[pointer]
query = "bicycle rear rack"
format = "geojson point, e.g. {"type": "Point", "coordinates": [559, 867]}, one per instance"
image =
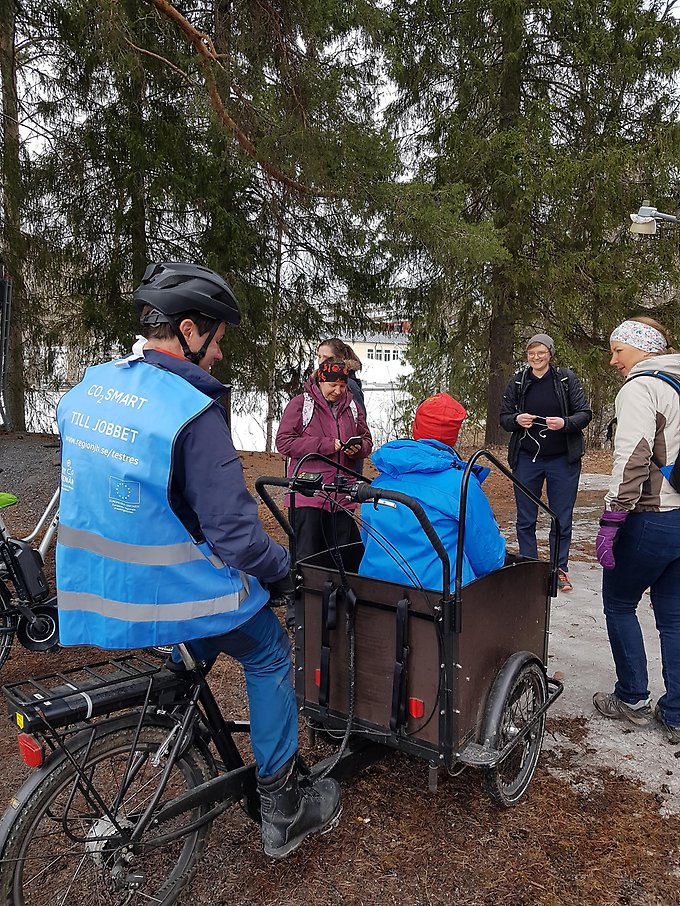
{"type": "Point", "coordinates": [63, 699]}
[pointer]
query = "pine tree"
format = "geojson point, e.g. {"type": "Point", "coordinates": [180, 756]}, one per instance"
{"type": "Point", "coordinates": [139, 165]}
{"type": "Point", "coordinates": [547, 122]}
{"type": "Point", "coordinates": [12, 199]}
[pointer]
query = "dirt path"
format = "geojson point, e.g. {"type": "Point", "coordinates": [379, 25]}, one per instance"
{"type": "Point", "coordinates": [591, 830]}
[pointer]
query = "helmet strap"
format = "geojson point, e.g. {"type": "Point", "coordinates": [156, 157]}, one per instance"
{"type": "Point", "coordinates": [194, 357]}
{"type": "Point", "coordinates": [204, 348]}
{"type": "Point", "coordinates": [155, 317]}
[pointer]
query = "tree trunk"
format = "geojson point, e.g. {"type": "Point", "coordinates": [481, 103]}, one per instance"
{"type": "Point", "coordinates": [12, 199]}
{"type": "Point", "coordinates": [509, 215]}
{"type": "Point", "coordinates": [273, 343]}
{"type": "Point", "coordinates": [501, 364]}
{"type": "Point", "coordinates": [140, 253]}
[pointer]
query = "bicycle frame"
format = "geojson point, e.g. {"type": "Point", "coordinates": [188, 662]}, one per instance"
{"type": "Point", "coordinates": [27, 609]}
{"type": "Point", "coordinates": [10, 561]}
{"type": "Point", "coordinates": [65, 716]}
{"type": "Point", "coordinates": [51, 513]}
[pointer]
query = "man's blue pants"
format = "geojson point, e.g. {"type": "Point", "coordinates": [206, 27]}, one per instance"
{"type": "Point", "coordinates": [263, 648]}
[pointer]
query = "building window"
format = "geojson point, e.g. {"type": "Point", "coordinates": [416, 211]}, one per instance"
{"type": "Point", "coordinates": [378, 355]}
{"type": "Point", "coordinates": [387, 355]}
{"type": "Point", "coordinates": [395, 355]}
{"type": "Point", "coordinates": [369, 353]}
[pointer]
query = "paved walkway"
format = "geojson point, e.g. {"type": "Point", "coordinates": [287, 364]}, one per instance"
{"type": "Point", "coordinates": [579, 649]}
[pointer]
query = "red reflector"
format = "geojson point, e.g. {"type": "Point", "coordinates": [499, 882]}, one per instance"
{"type": "Point", "coordinates": [30, 750]}
{"type": "Point", "coordinates": [317, 677]}
{"type": "Point", "coordinates": [416, 707]}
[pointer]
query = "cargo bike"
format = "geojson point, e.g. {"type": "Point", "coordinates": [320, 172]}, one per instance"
{"type": "Point", "coordinates": [135, 761]}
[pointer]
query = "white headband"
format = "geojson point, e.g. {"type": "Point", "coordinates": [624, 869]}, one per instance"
{"type": "Point", "coordinates": [641, 336]}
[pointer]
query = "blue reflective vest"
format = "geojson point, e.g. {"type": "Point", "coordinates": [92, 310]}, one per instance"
{"type": "Point", "coordinates": [129, 574]}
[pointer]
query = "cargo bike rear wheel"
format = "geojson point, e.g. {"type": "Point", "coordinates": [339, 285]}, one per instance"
{"type": "Point", "coordinates": [72, 839]}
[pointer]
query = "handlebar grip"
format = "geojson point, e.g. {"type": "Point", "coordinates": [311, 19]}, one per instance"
{"type": "Point", "coordinates": [364, 491]}
{"type": "Point", "coordinates": [270, 481]}
{"type": "Point", "coordinates": [261, 485]}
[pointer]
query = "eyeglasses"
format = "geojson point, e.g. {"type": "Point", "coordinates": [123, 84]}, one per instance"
{"type": "Point", "coordinates": [537, 355]}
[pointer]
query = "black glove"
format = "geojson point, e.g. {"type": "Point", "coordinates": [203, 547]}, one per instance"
{"type": "Point", "coordinates": [281, 591]}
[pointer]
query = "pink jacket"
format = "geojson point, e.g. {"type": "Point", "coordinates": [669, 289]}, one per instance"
{"type": "Point", "coordinates": [308, 425]}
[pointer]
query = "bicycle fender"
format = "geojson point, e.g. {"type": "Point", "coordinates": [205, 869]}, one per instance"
{"type": "Point", "coordinates": [502, 684]}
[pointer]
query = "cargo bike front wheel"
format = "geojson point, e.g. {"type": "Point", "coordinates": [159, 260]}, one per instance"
{"type": "Point", "coordinates": [73, 840]}
{"type": "Point", "coordinates": [515, 718]}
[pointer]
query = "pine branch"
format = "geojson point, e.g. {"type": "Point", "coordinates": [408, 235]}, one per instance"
{"type": "Point", "coordinates": [149, 53]}
{"type": "Point", "coordinates": [205, 50]}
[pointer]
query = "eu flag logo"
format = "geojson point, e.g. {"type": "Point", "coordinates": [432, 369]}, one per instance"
{"type": "Point", "coordinates": [123, 492]}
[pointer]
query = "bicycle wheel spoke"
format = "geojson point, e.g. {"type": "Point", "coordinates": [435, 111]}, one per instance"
{"type": "Point", "coordinates": [74, 840]}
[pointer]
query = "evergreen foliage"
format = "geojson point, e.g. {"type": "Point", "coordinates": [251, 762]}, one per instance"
{"type": "Point", "coordinates": [138, 166]}
{"type": "Point", "coordinates": [550, 123]}
{"type": "Point", "coordinates": [469, 169]}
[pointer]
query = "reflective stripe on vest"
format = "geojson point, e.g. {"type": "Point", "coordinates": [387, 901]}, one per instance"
{"type": "Point", "coordinates": [152, 555]}
{"type": "Point", "coordinates": [149, 613]}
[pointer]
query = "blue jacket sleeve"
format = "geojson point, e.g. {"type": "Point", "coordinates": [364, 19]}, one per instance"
{"type": "Point", "coordinates": [209, 495]}
{"type": "Point", "coordinates": [484, 545]}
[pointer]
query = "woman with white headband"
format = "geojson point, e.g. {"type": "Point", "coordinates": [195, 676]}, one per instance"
{"type": "Point", "coordinates": [638, 544]}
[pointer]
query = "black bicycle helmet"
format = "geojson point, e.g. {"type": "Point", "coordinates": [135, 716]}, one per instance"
{"type": "Point", "coordinates": [174, 288]}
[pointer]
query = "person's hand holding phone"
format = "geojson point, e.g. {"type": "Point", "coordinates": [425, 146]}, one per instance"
{"type": "Point", "coordinates": [551, 422]}
{"type": "Point", "coordinates": [351, 447]}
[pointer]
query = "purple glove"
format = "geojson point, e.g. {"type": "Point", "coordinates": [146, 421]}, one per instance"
{"type": "Point", "coordinates": [610, 523]}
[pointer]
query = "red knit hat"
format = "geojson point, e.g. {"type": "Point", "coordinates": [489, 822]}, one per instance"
{"type": "Point", "coordinates": [439, 418]}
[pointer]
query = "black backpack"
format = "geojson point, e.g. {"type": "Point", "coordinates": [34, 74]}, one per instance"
{"type": "Point", "coordinates": [670, 472]}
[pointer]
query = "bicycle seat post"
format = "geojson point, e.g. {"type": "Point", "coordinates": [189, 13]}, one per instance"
{"type": "Point", "coordinates": [187, 657]}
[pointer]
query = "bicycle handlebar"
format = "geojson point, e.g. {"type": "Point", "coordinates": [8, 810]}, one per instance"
{"type": "Point", "coordinates": [311, 483]}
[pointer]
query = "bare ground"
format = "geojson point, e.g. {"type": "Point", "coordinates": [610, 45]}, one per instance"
{"type": "Point", "coordinates": [598, 839]}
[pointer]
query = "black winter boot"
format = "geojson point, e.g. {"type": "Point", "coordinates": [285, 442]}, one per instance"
{"type": "Point", "coordinates": [291, 810]}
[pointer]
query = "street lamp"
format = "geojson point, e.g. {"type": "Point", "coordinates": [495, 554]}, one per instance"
{"type": "Point", "coordinates": [644, 222]}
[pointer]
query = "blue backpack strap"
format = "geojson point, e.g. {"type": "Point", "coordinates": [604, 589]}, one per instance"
{"type": "Point", "coordinates": [666, 471]}
{"type": "Point", "coordinates": [662, 375]}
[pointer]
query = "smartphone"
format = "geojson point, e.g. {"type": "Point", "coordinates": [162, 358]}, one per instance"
{"type": "Point", "coordinates": [352, 442]}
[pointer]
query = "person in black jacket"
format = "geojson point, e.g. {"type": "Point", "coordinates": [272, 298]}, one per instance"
{"type": "Point", "coordinates": [546, 410]}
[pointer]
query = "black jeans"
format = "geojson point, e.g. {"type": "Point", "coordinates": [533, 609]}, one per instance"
{"type": "Point", "coordinates": [561, 480]}
{"type": "Point", "coordinates": [319, 530]}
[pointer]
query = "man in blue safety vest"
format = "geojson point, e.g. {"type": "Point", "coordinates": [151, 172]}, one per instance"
{"type": "Point", "coordinates": [159, 538]}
